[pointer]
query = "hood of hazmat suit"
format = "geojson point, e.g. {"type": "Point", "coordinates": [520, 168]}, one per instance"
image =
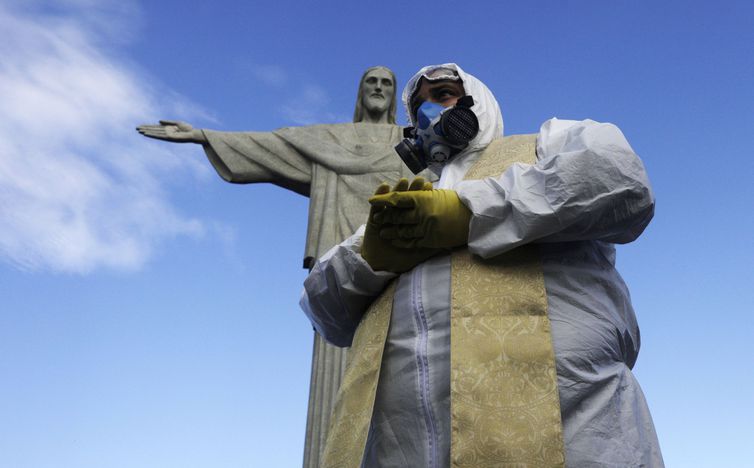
{"type": "Point", "coordinates": [485, 105]}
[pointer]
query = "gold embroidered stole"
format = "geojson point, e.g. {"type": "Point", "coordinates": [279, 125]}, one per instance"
{"type": "Point", "coordinates": [504, 404]}
{"type": "Point", "coordinates": [352, 414]}
{"type": "Point", "coordinates": [505, 410]}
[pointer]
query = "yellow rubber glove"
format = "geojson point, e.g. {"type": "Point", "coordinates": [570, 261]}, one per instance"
{"type": "Point", "coordinates": [434, 219]}
{"type": "Point", "coordinates": [379, 252]}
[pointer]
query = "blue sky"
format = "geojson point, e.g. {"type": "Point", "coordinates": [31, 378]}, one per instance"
{"type": "Point", "coordinates": [148, 310]}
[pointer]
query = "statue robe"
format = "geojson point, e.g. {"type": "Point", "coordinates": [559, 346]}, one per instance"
{"type": "Point", "coordinates": [337, 166]}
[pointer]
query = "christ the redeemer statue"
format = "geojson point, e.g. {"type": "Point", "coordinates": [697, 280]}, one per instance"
{"type": "Point", "coordinates": [337, 166]}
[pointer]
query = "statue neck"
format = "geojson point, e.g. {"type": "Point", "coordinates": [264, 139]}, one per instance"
{"type": "Point", "coordinates": [375, 117]}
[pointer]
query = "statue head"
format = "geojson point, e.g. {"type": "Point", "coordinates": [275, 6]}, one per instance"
{"type": "Point", "coordinates": [376, 100]}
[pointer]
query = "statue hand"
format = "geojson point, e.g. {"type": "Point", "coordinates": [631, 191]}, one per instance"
{"type": "Point", "coordinates": [379, 252]}
{"type": "Point", "coordinates": [173, 131]}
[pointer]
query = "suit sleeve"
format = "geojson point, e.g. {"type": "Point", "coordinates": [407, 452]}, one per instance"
{"type": "Point", "coordinates": [588, 184]}
{"type": "Point", "coordinates": [339, 289]}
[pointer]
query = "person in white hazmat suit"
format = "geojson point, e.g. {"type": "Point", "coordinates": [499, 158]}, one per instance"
{"type": "Point", "coordinates": [583, 191]}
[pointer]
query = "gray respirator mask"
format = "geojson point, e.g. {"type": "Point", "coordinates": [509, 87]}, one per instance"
{"type": "Point", "coordinates": [440, 134]}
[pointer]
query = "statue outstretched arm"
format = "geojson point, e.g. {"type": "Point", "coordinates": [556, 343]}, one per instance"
{"type": "Point", "coordinates": [174, 131]}
{"type": "Point", "coordinates": [242, 157]}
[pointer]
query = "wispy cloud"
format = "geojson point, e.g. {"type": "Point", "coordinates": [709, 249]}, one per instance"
{"type": "Point", "coordinates": [309, 106]}
{"type": "Point", "coordinates": [300, 101]}
{"type": "Point", "coordinates": [271, 75]}
{"type": "Point", "coordinates": [79, 188]}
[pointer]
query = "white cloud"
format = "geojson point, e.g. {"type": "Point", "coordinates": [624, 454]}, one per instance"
{"type": "Point", "coordinates": [79, 188]}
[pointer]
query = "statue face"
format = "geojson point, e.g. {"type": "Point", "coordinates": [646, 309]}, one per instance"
{"type": "Point", "coordinates": [378, 91]}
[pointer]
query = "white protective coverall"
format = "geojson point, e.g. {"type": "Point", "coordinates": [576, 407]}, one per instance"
{"type": "Point", "coordinates": [587, 191]}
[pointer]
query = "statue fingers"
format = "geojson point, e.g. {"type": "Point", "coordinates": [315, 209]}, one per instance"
{"type": "Point", "coordinates": [149, 128]}
{"type": "Point", "coordinates": [152, 131]}
{"type": "Point", "coordinates": [180, 125]}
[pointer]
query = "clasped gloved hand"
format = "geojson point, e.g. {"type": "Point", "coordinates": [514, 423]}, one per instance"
{"type": "Point", "coordinates": [434, 219]}
{"type": "Point", "coordinates": [379, 252]}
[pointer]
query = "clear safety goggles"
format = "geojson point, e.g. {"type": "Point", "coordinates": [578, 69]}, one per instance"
{"type": "Point", "coordinates": [438, 73]}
